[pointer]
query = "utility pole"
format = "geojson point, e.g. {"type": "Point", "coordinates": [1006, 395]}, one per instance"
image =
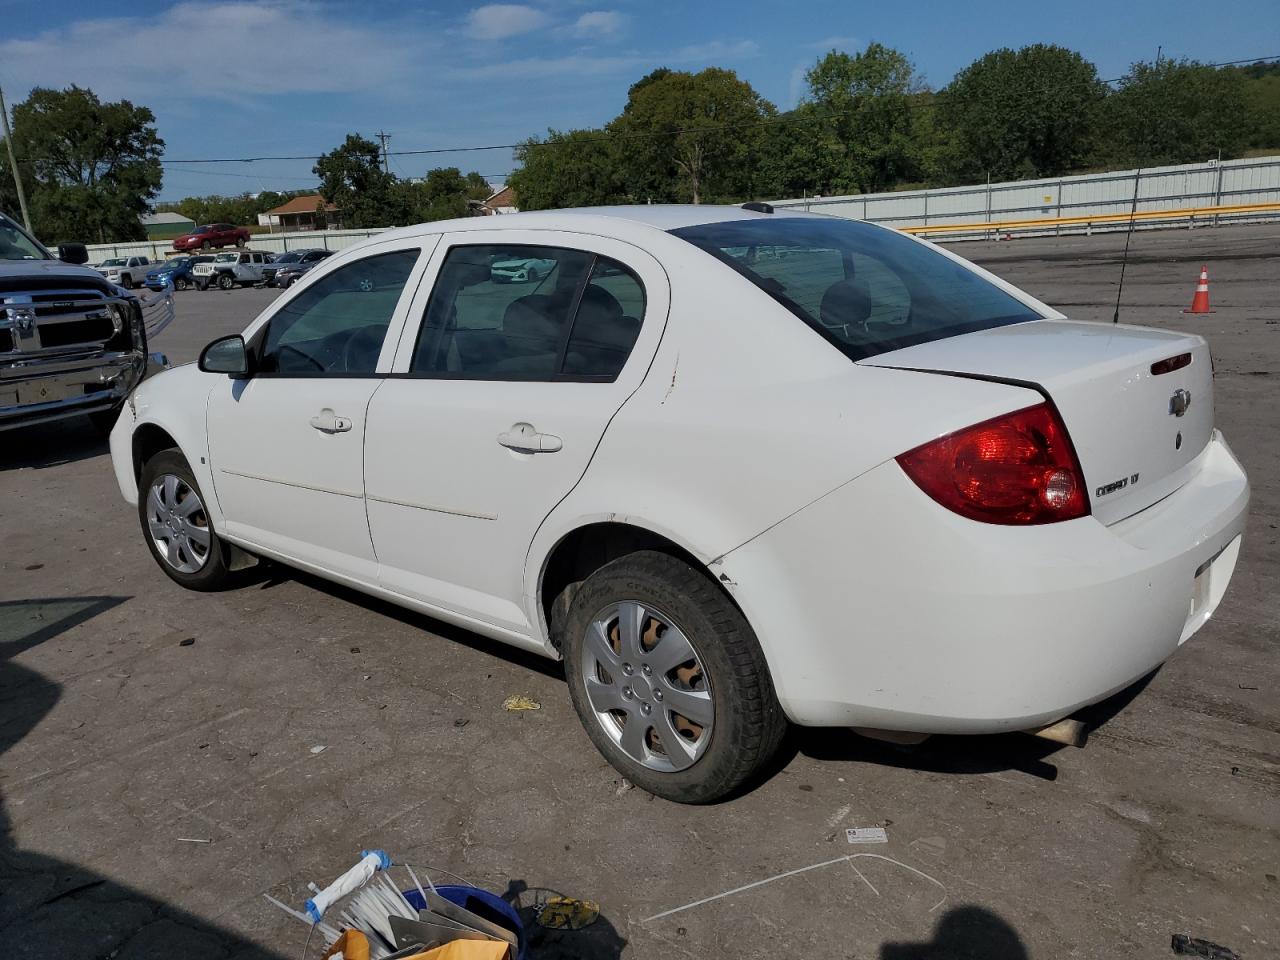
{"type": "Point", "coordinates": [386, 161]}
{"type": "Point", "coordinates": [13, 164]}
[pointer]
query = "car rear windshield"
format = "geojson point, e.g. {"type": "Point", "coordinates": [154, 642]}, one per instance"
{"type": "Point", "coordinates": [866, 289]}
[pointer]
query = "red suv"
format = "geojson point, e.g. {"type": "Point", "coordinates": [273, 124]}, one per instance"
{"type": "Point", "coordinates": [212, 235]}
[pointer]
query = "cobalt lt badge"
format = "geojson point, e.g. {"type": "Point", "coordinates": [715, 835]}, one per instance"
{"type": "Point", "coordinates": [1180, 402]}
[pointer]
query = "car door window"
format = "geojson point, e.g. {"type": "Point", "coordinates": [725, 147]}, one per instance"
{"type": "Point", "coordinates": [337, 325]}
{"type": "Point", "coordinates": [501, 312]}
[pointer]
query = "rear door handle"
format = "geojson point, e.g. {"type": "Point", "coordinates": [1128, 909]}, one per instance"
{"type": "Point", "coordinates": [525, 438]}
{"type": "Point", "coordinates": [326, 421]}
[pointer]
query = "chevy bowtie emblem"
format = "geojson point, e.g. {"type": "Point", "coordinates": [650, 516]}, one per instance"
{"type": "Point", "coordinates": [1180, 402]}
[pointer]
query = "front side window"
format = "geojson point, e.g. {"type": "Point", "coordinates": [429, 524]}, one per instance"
{"type": "Point", "coordinates": [866, 289]}
{"type": "Point", "coordinates": [501, 312]}
{"type": "Point", "coordinates": [337, 325]}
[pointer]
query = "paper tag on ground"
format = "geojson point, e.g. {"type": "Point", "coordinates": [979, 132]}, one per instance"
{"type": "Point", "coordinates": [867, 835]}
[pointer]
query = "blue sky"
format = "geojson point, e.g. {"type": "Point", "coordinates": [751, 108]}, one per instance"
{"type": "Point", "coordinates": [293, 77]}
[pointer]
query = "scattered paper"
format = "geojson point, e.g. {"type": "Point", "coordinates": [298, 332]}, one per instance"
{"type": "Point", "coordinates": [867, 835]}
{"type": "Point", "coordinates": [319, 749]}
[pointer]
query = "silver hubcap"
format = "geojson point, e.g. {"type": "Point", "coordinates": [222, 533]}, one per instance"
{"type": "Point", "coordinates": [178, 524]}
{"type": "Point", "coordinates": [647, 686]}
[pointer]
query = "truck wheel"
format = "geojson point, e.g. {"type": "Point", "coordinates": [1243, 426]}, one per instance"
{"type": "Point", "coordinates": [226, 281]}
{"type": "Point", "coordinates": [669, 680]}
{"type": "Point", "coordinates": [176, 525]}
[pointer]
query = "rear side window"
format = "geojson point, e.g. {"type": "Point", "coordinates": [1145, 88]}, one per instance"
{"type": "Point", "coordinates": [866, 289]}
{"type": "Point", "coordinates": [521, 312]}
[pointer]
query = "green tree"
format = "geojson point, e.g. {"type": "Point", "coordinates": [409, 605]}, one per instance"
{"type": "Point", "coordinates": [574, 168]}
{"type": "Point", "coordinates": [691, 136]}
{"type": "Point", "coordinates": [1175, 111]}
{"type": "Point", "coordinates": [864, 141]}
{"type": "Point", "coordinates": [90, 168]}
{"type": "Point", "coordinates": [352, 179]}
{"type": "Point", "coordinates": [1020, 113]}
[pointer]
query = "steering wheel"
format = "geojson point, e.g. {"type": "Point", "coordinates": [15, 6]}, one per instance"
{"type": "Point", "coordinates": [284, 347]}
{"type": "Point", "coordinates": [355, 354]}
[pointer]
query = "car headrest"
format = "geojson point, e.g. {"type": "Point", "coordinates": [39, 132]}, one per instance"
{"type": "Point", "coordinates": [529, 319]}
{"type": "Point", "coordinates": [845, 302]}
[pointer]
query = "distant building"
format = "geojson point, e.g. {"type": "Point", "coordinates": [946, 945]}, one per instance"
{"type": "Point", "coordinates": [165, 226]}
{"type": "Point", "coordinates": [504, 201]}
{"type": "Point", "coordinates": [302, 213]}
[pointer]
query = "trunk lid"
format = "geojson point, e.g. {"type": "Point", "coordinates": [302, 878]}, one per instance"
{"type": "Point", "coordinates": [1134, 445]}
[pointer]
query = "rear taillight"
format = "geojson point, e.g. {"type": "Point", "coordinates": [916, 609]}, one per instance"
{"type": "Point", "coordinates": [1019, 468]}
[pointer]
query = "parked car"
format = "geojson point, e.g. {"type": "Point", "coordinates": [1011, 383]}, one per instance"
{"type": "Point", "coordinates": [212, 235]}
{"type": "Point", "coordinates": [288, 267]}
{"type": "Point", "coordinates": [862, 484]}
{"type": "Point", "coordinates": [520, 269]}
{"type": "Point", "coordinates": [175, 272]}
{"type": "Point", "coordinates": [71, 342]}
{"type": "Point", "coordinates": [126, 271]}
{"type": "Point", "coordinates": [229, 270]}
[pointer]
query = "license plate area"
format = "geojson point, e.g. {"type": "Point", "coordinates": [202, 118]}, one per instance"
{"type": "Point", "coordinates": [1208, 587]}
{"type": "Point", "coordinates": [47, 391]}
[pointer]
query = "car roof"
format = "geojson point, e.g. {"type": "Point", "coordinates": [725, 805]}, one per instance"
{"type": "Point", "coordinates": [619, 220]}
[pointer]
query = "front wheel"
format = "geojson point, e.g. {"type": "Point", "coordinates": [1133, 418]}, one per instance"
{"type": "Point", "coordinates": [669, 680]}
{"type": "Point", "coordinates": [180, 283]}
{"type": "Point", "coordinates": [239, 241]}
{"type": "Point", "coordinates": [226, 281]}
{"type": "Point", "coordinates": [205, 245]}
{"type": "Point", "coordinates": [176, 524]}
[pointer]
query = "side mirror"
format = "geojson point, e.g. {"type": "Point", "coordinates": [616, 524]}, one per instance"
{"type": "Point", "coordinates": [226, 355]}
{"type": "Point", "coordinates": [76, 253]}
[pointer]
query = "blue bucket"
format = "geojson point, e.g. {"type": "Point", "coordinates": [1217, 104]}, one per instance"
{"type": "Point", "coordinates": [483, 904]}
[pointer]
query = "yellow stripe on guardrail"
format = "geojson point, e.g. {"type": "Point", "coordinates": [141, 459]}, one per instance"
{"type": "Point", "coordinates": [1100, 218]}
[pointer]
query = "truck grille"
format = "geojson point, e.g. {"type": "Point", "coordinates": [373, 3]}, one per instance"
{"type": "Point", "coordinates": [44, 321]}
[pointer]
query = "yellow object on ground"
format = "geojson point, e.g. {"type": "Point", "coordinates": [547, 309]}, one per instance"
{"type": "Point", "coordinates": [566, 913]}
{"type": "Point", "coordinates": [465, 950]}
{"type": "Point", "coordinates": [517, 703]}
{"type": "Point", "coordinates": [353, 945]}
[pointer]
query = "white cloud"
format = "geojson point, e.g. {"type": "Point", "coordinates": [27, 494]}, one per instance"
{"type": "Point", "coordinates": [596, 24]}
{"type": "Point", "coordinates": [268, 51]}
{"type": "Point", "coordinates": [496, 21]}
{"type": "Point", "coordinates": [582, 65]}
{"type": "Point", "coordinates": [827, 44]}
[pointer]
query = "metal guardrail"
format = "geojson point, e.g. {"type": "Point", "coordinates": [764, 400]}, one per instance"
{"type": "Point", "coordinates": [1141, 216]}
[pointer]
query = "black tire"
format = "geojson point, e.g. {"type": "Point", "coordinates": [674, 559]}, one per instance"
{"type": "Point", "coordinates": [226, 281]}
{"type": "Point", "coordinates": [181, 283]}
{"type": "Point", "coordinates": [749, 724]}
{"type": "Point", "coordinates": [205, 245]}
{"type": "Point", "coordinates": [239, 241]}
{"type": "Point", "coordinates": [126, 281]}
{"type": "Point", "coordinates": [214, 574]}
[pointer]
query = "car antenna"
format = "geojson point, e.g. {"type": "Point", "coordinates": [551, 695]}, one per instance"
{"type": "Point", "coordinates": [1124, 260]}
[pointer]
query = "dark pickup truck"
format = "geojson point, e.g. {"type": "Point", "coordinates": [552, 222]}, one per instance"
{"type": "Point", "coordinates": [71, 341]}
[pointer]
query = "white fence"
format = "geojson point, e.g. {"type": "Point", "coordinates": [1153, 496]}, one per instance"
{"type": "Point", "coordinates": [1180, 188]}
{"type": "Point", "coordinates": [275, 242]}
{"type": "Point", "coordinates": [1188, 187]}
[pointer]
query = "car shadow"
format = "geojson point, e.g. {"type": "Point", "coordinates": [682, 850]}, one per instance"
{"type": "Point", "coordinates": [52, 444]}
{"type": "Point", "coordinates": [267, 575]}
{"type": "Point", "coordinates": [994, 753]}
{"type": "Point", "coordinates": [599, 940]}
{"type": "Point", "coordinates": [48, 906]}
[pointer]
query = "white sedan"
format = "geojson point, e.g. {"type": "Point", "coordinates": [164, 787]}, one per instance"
{"type": "Point", "coordinates": [734, 467]}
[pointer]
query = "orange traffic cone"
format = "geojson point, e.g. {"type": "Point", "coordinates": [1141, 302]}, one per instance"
{"type": "Point", "coordinates": [1200, 302]}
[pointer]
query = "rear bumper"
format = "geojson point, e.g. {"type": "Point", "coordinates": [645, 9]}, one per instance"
{"type": "Point", "coordinates": [878, 608]}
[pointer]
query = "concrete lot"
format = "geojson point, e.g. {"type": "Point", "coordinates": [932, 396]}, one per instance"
{"type": "Point", "coordinates": [306, 722]}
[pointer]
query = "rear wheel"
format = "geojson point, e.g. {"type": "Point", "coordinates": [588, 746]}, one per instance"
{"type": "Point", "coordinates": [669, 680]}
{"type": "Point", "coordinates": [239, 241]}
{"type": "Point", "coordinates": [175, 524]}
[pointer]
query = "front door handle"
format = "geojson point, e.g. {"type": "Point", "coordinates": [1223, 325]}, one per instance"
{"type": "Point", "coordinates": [525, 438]}
{"type": "Point", "coordinates": [326, 421]}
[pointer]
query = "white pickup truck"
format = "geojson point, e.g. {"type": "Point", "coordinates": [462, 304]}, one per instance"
{"type": "Point", "coordinates": [231, 269]}
{"type": "Point", "coordinates": [128, 272]}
